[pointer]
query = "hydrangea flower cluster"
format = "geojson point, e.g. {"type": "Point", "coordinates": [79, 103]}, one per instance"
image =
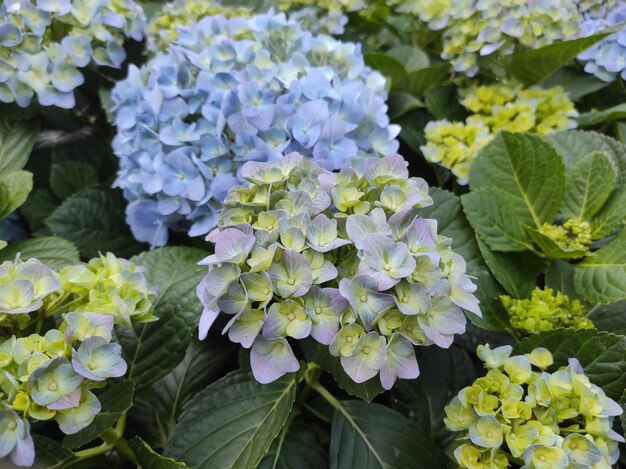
{"type": "Point", "coordinates": [231, 91]}
{"type": "Point", "coordinates": [607, 58]}
{"type": "Point", "coordinates": [323, 16]}
{"type": "Point", "coordinates": [43, 45]}
{"type": "Point", "coordinates": [573, 234]}
{"type": "Point", "coordinates": [545, 311]}
{"type": "Point", "coordinates": [51, 376]}
{"type": "Point", "coordinates": [163, 28]}
{"type": "Point", "coordinates": [534, 419]}
{"type": "Point", "coordinates": [341, 257]}
{"type": "Point", "coordinates": [502, 106]}
{"type": "Point", "coordinates": [475, 28]}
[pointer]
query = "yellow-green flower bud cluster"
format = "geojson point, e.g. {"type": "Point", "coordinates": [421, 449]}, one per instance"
{"type": "Point", "coordinates": [501, 106]}
{"type": "Point", "coordinates": [573, 234]}
{"type": "Point", "coordinates": [545, 311]}
{"type": "Point", "coordinates": [520, 414]}
{"type": "Point", "coordinates": [163, 28]}
{"type": "Point", "coordinates": [110, 285]}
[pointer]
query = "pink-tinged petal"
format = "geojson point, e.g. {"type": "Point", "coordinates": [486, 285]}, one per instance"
{"type": "Point", "coordinates": [272, 358]}
{"type": "Point", "coordinates": [67, 402]}
{"type": "Point", "coordinates": [374, 247]}
{"type": "Point", "coordinates": [400, 363]}
{"type": "Point", "coordinates": [206, 321]}
{"type": "Point", "coordinates": [24, 452]}
{"type": "Point", "coordinates": [367, 359]}
{"type": "Point", "coordinates": [326, 273]}
{"type": "Point", "coordinates": [231, 246]}
{"type": "Point", "coordinates": [412, 298]}
{"type": "Point", "coordinates": [217, 281]}
{"type": "Point", "coordinates": [384, 170]}
{"type": "Point", "coordinates": [246, 327]}
{"type": "Point", "coordinates": [359, 226]}
{"type": "Point", "coordinates": [362, 294]}
{"type": "Point", "coordinates": [399, 223]}
{"type": "Point", "coordinates": [420, 240]}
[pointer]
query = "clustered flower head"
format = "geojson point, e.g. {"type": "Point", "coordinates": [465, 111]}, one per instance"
{"type": "Point", "coordinates": [341, 257]}
{"type": "Point", "coordinates": [44, 43]}
{"type": "Point", "coordinates": [236, 90]}
{"type": "Point", "coordinates": [573, 234]}
{"type": "Point", "coordinates": [545, 311]}
{"type": "Point", "coordinates": [325, 16]}
{"type": "Point", "coordinates": [475, 28]}
{"type": "Point", "coordinates": [163, 27]}
{"type": "Point", "coordinates": [607, 58]}
{"type": "Point", "coordinates": [538, 420]}
{"type": "Point", "coordinates": [50, 376]}
{"type": "Point", "coordinates": [502, 106]}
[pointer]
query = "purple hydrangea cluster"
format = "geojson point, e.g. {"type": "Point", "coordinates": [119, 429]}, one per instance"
{"type": "Point", "coordinates": [231, 91]}
{"type": "Point", "coordinates": [607, 58]}
{"type": "Point", "coordinates": [44, 43]}
{"type": "Point", "coordinates": [342, 257]}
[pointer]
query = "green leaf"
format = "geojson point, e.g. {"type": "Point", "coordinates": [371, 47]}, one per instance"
{"type": "Point", "coordinates": [535, 65]}
{"type": "Point", "coordinates": [69, 177]}
{"type": "Point", "coordinates": [550, 248]}
{"type": "Point", "coordinates": [93, 219]}
{"type": "Point", "coordinates": [420, 81]}
{"type": "Point", "coordinates": [573, 145]}
{"type": "Point", "coordinates": [411, 58]}
{"type": "Point", "coordinates": [366, 391]}
{"type": "Point", "coordinates": [620, 131]}
{"type": "Point", "coordinates": [154, 349]}
{"type": "Point", "coordinates": [589, 183]}
{"type": "Point", "coordinates": [575, 83]}
{"type": "Point", "coordinates": [55, 252]}
{"type": "Point", "coordinates": [589, 119]}
{"type": "Point", "coordinates": [38, 207]}
{"type": "Point", "coordinates": [297, 447]}
{"type": "Point", "coordinates": [610, 318]}
{"type": "Point", "coordinates": [612, 213]}
{"type": "Point", "coordinates": [401, 103]}
{"type": "Point", "coordinates": [392, 69]}
{"type": "Point", "coordinates": [203, 362]}
{"type": "Point", "coordinates": [14, 188]}
{"type": "Point", "coordinates": [232, 423]}
{"type": "Point", "coordinates": [527, 169]}
{"type": "Point", "coordinates": [49, 454]}
{"type": "Point", "coordinates": [17, 138]}
{"type": "Point", "coordinates": [443, 103]}
{"type": "Point", "coordinates": [560, 277]}
{"type": "Point", "coordinates": [602, 355]}
{"type": "Point", "coordinates": [371, 436]}
{"type": "Point", "coordinates": [516, 272]}
{"type": "Point", "coordinates": [150, 459]}
{"type": "Point", "coordinates": [492, 214]}
{"type": "Point", "coordinates": [115, 399]}
{"type": "Point", "coordinates": [601, 277]}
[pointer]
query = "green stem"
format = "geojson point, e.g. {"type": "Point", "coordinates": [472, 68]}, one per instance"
{"type": "Point", "coordinates": [312, 378]}
{"type": "Point", "coordinates": [112, 438]}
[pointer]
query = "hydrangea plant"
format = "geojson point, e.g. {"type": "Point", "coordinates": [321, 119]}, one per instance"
{"type": "Point", "coordinates": [45, 43]}
{"type": "Point", "coordinates": [51, 375]}
{"type": "Point", "coordinates": [518, 413]}
{"type": "Point", "coordinates": [496, 107]}
{"type": "Point", "coordinates": [341, 257]}
{"type": "Point", "coordinates": [235, 90]}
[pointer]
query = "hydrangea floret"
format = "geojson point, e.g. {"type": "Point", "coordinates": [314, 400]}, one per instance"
{"type": "Point", "coordinates": [501, 106]}
{"type": "Point", "coordinates": [607, 58]}
{"type": "Point", "coordinates": [44, 43]}
{"type": "Point", "coordinates": [52, 375]}
{"type": "Point", "coordinates": [342, 257]}
{"type": "Point", "coordinates": [518, 413]}
{"type": "Point", "coordinates": [572, 235]}
{"type": "Point", "coordinates": [544, 311]}
{"type": "Point", "coordinates": [236, 90]}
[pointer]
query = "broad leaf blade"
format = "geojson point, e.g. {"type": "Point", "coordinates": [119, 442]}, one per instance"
{"type": "Point", "coordinates": [14, 188]}
{"type": "Point", "coordinates": [297, 447]}
{"type": "Point", "coordinates": [150, 459]}
{"type": "Point", "coordinates": [610, 215]}
{"type": "Point", "coordinates": [610, 318]}
{"type": "Point", "coordinates": [154, 349]}
{"type": "Point", "coordinates": [69, 177]}
{"type": "Point", "coordinates": [232, 423]}
{"type": "Point", "coordinates": [598, 117]}
{"type": "Point", "coordinates": [55, 252]}
{"type": "Point", "coordinates": [49, 454]}
{"type": "Point", "coordinates": [17, 138]}
{"type": "Point", "coordinates": [550, 248]}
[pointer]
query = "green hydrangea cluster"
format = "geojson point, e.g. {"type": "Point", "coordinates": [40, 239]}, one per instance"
{"type": "Point", "coordinates": [51, 376]}
{"type": "Point", "coordinates": [162, 30]}
{"type": "Point", "coordinates": [535, 419]}
{"type": "Point", "coordinates": [501, 106]}
{"type": "Point", "coordinates": [573, 234]}
{"type": "Point", "coordinates": [545, 311]}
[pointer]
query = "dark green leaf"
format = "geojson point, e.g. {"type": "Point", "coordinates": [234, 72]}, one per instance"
{"type": "Point", "coordinates": [69, 177]}
{"type": "Point", "coordinates": [602, 355]}
{"type": "Point", "coordinates": [154, 349]}
{"type": "Point", "coordinates": [17, 138]}
{"type": "Point", "coordinates": [49, 454]}
{"type": "Point", "coordinates": [371, 436]}
{"type": "Point", "coordinates": [560, 277]}
{"type": "Point", "coordinates": [55, 252]}
{"type": "Point", "coordinates": [610, 318]}
{"type": "Point", "coordinates": [388, 66]}
{"type": "Point", "coordinates": [601, 277]}
{"type": "Point", "coordinates": [401, 103]}
{"type": "Point", "coordinates": [420, 81]}
{"type": "Point", "coordinates": [589, 119]}
{"type": "Point", "coordinates": [411, 58]}
{"type": "Point", "coordinates": [38, 207]}
{"type": "Point", "coordinates": [443, 103]}
{"type": "Point", "coordinates": [93, 219]}
{"type": "Point", "coordinates": [115, 399]}
{"type": "Point", "coordinates": [535, 65]}
{"type": "Point", "coordinates": [149, 459]}
{"type": "Point", "coordinates": [575, 83]}
{"type": "Point", "coordinates": [296, 447]}
{"type": "Point", "coordinates": [232, 423]}
{"type": "Point", "coordinates": [612, 213]}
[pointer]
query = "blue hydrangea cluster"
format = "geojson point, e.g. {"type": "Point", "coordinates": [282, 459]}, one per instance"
{"type": "Point", "coordinates": [51, 375]}
{"type": "Point", "coordinates": [44, 43]}
{"type": "Point", "coordinates": [607, 58]}
{"type": "Point", "coordinates": [236, 90]}
{"type": "Point", "coordinates": [343, 258]}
